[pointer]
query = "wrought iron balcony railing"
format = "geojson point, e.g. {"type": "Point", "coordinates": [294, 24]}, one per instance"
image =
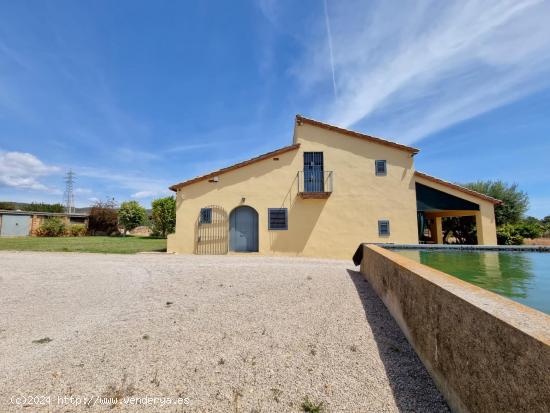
{"type": "Point", "coordinates": [315, 184]}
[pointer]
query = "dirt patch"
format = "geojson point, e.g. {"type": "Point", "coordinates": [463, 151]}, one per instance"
{"type": "Point", "coordinates": [537, 241]}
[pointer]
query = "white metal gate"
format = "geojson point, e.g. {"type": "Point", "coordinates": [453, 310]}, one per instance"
{"type": "Point", "coordinates": [15, 225]}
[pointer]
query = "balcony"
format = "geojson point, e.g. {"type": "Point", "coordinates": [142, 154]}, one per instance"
{"type": "Point", "coordinates": [315, 184]}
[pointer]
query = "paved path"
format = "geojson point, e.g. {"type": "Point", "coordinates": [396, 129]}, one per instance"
{"type": "Point", "coordinates": [231, 333]}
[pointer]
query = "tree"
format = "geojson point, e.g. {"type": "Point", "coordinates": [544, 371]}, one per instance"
{"type": "Point", "coordinates": [7, 205]}
{"type": "Point", "coordinates": [515, 202]}
{"type": "Point", "coordinates": [164, 216]}
{"type": "Point", "coordinates": [103, 218]}
{"type": "Point", "coordinates": [33, 206]}
{"type": "Point", "coordinates": [131, 215]}
{"type": "Point", "coordinates": [546, 225]}
{"type": "Point", "coordinates": [42, 207]}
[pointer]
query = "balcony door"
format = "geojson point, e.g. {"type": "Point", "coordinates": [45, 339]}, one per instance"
{"type": "Point", "coordinates": [313, 172]}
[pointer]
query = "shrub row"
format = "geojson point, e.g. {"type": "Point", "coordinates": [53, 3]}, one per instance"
{"type": "Point", "coordinates": [55, 227]}
{"type": "Point", "coordinates": [105, 219]}
{"type": "Point", "coordinates": [514, 234]}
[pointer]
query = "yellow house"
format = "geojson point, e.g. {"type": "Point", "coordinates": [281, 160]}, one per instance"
{"type": "Point", "coordinates": [321, 196]}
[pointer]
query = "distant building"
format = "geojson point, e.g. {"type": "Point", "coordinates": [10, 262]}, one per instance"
{"type": "Point", "coordinates": [25, 223]}
{"type": "Point", "coordinates": [321, 196]}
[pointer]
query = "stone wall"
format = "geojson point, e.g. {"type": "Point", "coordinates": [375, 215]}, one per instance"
{"type": "Point", "coordinates": [35, 223]}
{"type": "Point", "coordinates": [485, 352]}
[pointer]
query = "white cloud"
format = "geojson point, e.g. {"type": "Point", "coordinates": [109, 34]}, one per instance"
{"type": "Point", "coordinates": [150, 194]}
{"type": "Point", "coordinates": [329, 40]}
{"type": "Point", "coordinates": [140, 186]}
{"type": "Point", "coordinates": [418, 67]}
{"type": "Point", "coordinates": [135, 155]}
{"type": "Point", "coordinates": [23, 170]}
{"type": "Point", "coordinates": [191, 147]}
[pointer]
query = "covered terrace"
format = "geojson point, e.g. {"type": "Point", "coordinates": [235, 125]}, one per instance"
{"type": "Point", "coordinates": [437, 199]}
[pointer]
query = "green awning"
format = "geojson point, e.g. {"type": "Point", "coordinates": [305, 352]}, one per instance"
{"type": "Point", "coordinates": [430, 199]}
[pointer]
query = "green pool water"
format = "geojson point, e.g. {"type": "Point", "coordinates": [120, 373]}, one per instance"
{"type": "Point", "coordinates": [521, 276]}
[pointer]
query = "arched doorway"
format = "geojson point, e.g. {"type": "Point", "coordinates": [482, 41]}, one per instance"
{"type": "Point", "coordinates": [243, 229]}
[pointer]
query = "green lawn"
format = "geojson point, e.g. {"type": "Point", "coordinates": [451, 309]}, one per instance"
{"type": "Point", "coordinates": [115, 245]}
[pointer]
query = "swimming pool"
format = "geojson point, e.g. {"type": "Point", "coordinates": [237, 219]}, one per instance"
{"type": "Point", "coordinates": [521, 276]}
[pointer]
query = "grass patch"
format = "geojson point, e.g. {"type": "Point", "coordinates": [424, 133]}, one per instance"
{"type": "Point", "coordinates": [309, 406]}
{"type": "Point", "coordinates": [113, 245]}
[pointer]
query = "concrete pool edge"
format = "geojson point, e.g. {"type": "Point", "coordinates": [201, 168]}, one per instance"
{"type": "Point", "coordinates": [485, 352]}
{"type": "Point", "coordinates": [524, 248]}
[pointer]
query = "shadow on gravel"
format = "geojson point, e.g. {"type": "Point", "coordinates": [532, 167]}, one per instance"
{"type": "Point", "coordinates": [413, 388]}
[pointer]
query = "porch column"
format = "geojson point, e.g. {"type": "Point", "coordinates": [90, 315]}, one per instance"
{"type": "Point", "coordinates": [438, 230]}
{"type": "Point", "coordinates": [479, 229]}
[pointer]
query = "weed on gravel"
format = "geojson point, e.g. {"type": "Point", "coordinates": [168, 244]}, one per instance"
{"type": "Point", "coordinates": [277, 393]}
{"type": "Point", "coordinates": [115, 393]}
{"type": "Point", "coordinates": [309, 406]}
{"type": "Point", "coordinates": [42, 340]}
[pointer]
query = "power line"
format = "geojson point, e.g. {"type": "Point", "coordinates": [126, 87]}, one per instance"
{"type": "Point", "coordinates": [68, 196]}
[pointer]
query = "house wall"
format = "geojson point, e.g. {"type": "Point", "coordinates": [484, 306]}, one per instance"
{"type": "Point", "coordinates": [485, 217]}
{"type": "Point", "coordinates": [330, 227]}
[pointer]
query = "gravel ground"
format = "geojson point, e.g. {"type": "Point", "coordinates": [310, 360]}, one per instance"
{"type": "Point", "coordinates": [226, 334]}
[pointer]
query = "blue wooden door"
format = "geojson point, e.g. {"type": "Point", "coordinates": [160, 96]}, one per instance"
{"type": "Point", "coordinates": [243, 229]}
{"type": "Point", "coordinates": [15, 225]}
{"type": "Point", "coordinates": [313, 172]}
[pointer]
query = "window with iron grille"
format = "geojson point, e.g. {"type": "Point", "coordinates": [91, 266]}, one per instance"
{"type": "Point", "coordinates": [278, 218]}
{"type": "Point", "coordinates": [380, 167]}
{"type": "Point", "coordinates": [206, 216]}
{"type": "Point", "coordinates": [383, 227]}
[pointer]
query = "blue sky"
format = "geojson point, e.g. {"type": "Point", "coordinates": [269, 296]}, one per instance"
{"type": "Point", "coordinates": [135, 95]}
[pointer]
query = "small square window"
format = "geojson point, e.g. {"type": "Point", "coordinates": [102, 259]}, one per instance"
{"type": "Point", "coordinates": [383, 228]}
{"type": "Point", "coordinates": [278, 218]}
{"type": "Point", "coordinates": [206, 216]}
{"type": "Point", "coordinates": [380, 167]}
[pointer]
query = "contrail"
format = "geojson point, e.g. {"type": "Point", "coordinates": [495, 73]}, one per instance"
{"type": "Point", "coordinates": [329, 36]}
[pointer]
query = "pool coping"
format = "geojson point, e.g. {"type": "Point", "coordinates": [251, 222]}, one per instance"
{"type": "Point", "coordinates": [422, 299]}
{"type": "Point", "coordinates": [525, 248]}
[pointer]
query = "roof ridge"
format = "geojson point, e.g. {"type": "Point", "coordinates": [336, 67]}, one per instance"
{"type": "Point", "coordinates": [458, 187]}
{"type": "Point", "coordinates": [258, 158]}
{"type": "Point", "coordinates": [301, 119]}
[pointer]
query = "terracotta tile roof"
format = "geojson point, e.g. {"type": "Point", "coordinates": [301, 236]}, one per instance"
{"type": "Point", "coordinates": [267, 155]}
{"type": "Point", "coordinates": [459, 188]}
{"type": "Point", "coordinates": [300, 119]}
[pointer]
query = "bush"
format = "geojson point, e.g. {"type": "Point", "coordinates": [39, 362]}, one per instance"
{"type": "Point", "coordinates": [131, 215]}
{"type": "Point", "coordinates": [51, 227]}
{"type": "Point", "coordinates": [163, 216]}
{"type": "Point", "coordinates": [508, 234]}
{"type": "Point", "coordinates": [77, 230]}
{"type": "Point", "coordinates": [530, 229]}
{"type": "Point", "coordinates": [103, 219]}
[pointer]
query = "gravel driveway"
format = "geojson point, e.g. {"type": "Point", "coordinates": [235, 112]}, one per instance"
{"type": "Point", "coordinates": [221, 333]}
